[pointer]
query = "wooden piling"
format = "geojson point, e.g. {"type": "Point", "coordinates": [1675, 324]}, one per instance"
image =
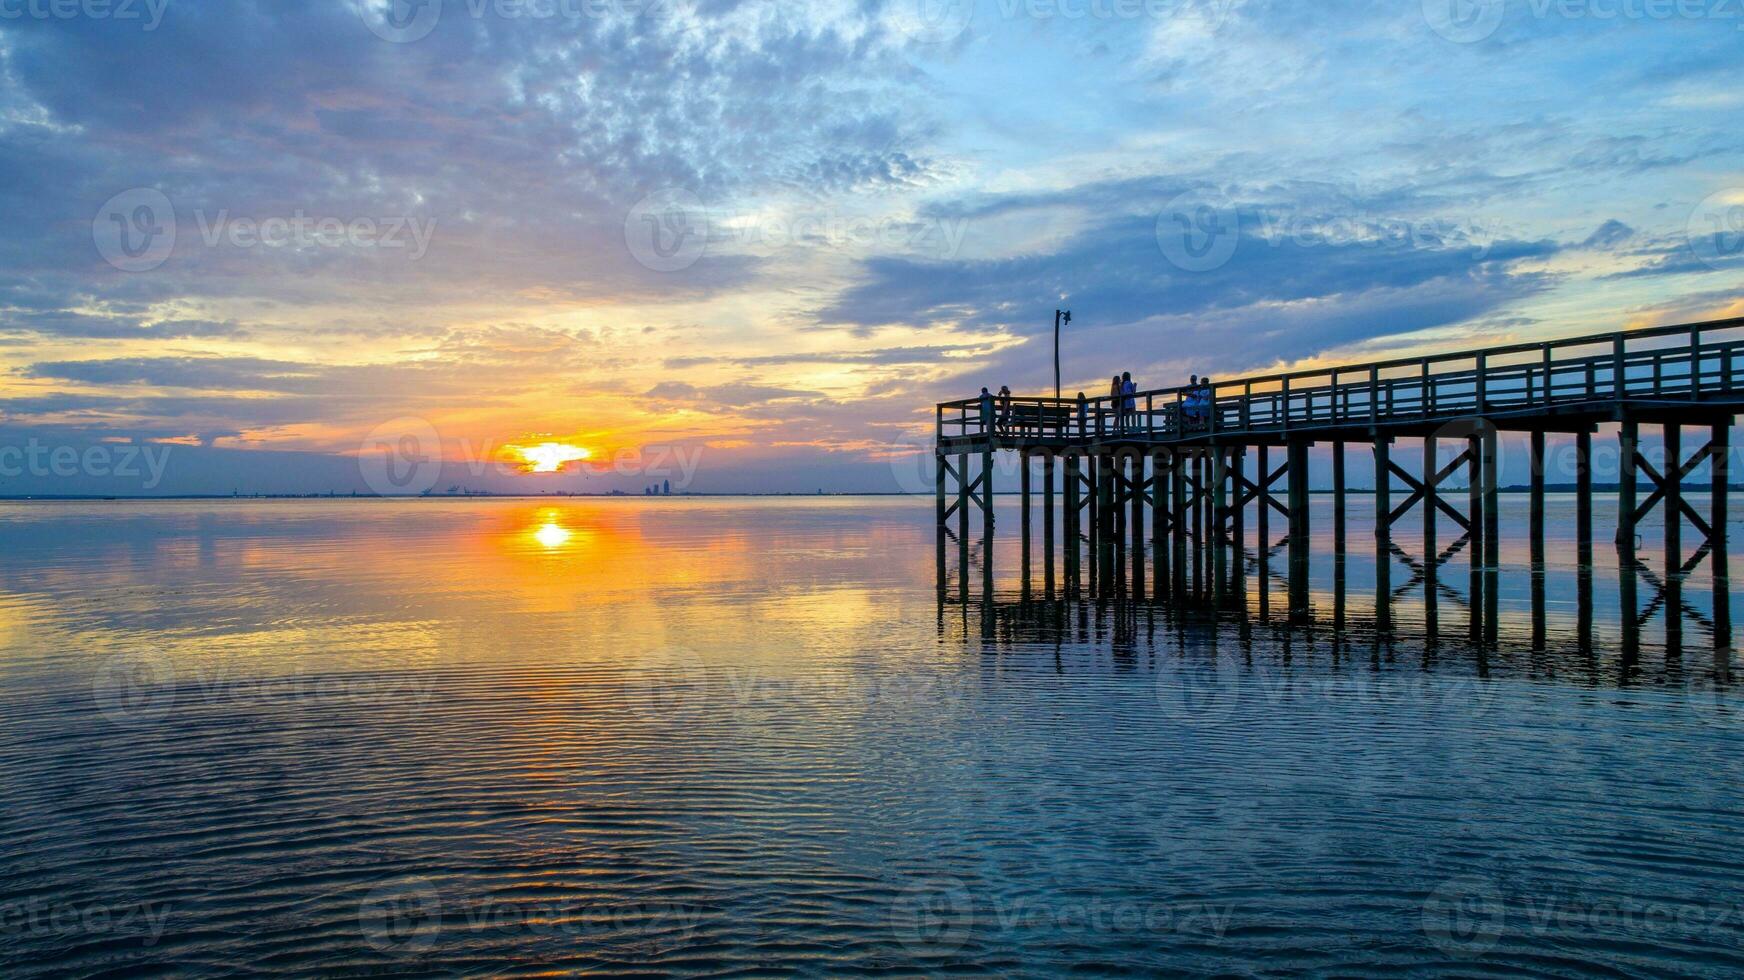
{"type": "Point", "coordinates": [1048, 525]}
{"type": "Point", "coordinates": [1383, 532]}
{"type": "Point", "coordinates": [1136, 523]}
{"type": "Point", "coordinates": [1199, 524]}
{"type": "Point", "coordinates": [939, 486]}
{"type": "Point", "coordinates": [1536, 532]}
{"type": "Point", "coordinates": [1298, 483]}
{"type": "Point", "coordinates": [1238, 518]}
{"type": "Point", "coordinates": [1672, 507]}
{"type": "Point", "coordinates": [1023, 464]}
{"type": "Point", "coordinates": [1262, 517]}
{"type": "Point", "coordinates": [1583, 495]}
{"type": "Point", "coordinates": [963, 497]}
{"type": "Point", "coordinates": [987, 522]}
{"type": "Point", "coordinates": [1071, 522]}
{"type": "Point", "coordinates": [1431, 550]}
{"type": "Point", "coordinates": [1492, 535]}
{"type": "Point", "coordinates": [1219, 518]}
{"type": "Point", "coordinates": [1719, 470]}
{"type": "Point", "coordinates": [1159, 526]}
{"type": "Point", "coordinates": [1178, 524]}
{"type": "Point", "coordinates": [1628, 436]}
{"type": "Point", "coordinates": [1338, 500]}
{"type": "Point", "coordinates": [1628, 439]}
{"type": "Point", "coordinates": [1105, 523]}
{"type": "Point", "coordinates": [1474, 498]}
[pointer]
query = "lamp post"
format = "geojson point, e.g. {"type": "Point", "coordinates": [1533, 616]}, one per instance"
{"type": "Point", "coordinates": [1060, 316]}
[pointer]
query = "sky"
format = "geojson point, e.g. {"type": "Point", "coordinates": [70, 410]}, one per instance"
{"type": "Point", "coordinates": [350, 245]}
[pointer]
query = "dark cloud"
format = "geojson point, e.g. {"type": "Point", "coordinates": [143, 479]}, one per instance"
{"type": "Point", "coordinates": [1697, 256]}
{"type": "Point", "coordinates": [1609, 235]}
{"type": "Point", "coordinates": [1116, 274]}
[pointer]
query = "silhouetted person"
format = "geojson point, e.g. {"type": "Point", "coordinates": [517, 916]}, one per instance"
{"type": "Point", "coordinates": [1128, 401]}
{"type": "Point", "coordinates": [1005, 407]}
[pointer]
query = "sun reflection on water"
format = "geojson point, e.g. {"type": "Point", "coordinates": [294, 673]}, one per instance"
{"type": "Point", "coordinates": [552, 534]}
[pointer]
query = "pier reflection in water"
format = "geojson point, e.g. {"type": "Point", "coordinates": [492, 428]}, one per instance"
{"type": "Point", "coordinates": [1537, 606]}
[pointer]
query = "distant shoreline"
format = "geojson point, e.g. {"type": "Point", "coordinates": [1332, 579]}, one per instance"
{"type": "Point", "coordinates": [1556, 488]}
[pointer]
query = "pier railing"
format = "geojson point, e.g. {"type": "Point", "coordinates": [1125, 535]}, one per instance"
{"type": "Point", "coordinates": [1686, 362]}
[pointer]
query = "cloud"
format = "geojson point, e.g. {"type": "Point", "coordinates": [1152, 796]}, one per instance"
{"type": "Point", "coordinates": [1608, 235]}
{"type": "Point", "coordinates": [737, 395]}
{"type": "Point", "coordinates": [67, 323]}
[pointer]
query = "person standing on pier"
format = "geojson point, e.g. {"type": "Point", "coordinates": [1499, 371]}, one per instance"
{"type": "Point", "coordinates": [1128, 401]}
{"type": "Point", "coordinates": [1113, 403]}
{"type": "Point", "coordinates": [1005, 408]}
{"type": "Point", "coordinates": [986, 411]}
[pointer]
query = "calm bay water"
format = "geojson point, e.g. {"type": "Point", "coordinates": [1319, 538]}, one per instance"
{"type": "Point", "coordinates": [503, 737]}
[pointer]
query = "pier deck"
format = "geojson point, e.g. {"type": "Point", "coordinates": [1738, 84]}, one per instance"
{"type": "Point", "coordinates": [1179, 463]}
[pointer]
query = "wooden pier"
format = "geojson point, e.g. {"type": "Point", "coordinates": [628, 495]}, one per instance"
{"type": "Point", "coordinates": [1154, 501]}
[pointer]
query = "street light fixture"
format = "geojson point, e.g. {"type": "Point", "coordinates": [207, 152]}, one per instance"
{"type": "Point", "coordinates": [1060, 316]}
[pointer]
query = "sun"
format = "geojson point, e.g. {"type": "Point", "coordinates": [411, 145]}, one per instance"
{"type": "Point", "coordinates": [549, 457]}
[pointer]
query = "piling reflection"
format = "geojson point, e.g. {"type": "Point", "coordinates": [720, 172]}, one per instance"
{"type": "Point", "coordinates": [1532, 609]}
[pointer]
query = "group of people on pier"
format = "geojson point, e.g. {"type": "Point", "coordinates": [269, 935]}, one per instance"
{"type": "Point", "coordinates": [1196, 403]}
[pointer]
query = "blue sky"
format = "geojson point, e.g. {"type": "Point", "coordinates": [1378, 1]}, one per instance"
{"type": "Point", "coordinates": [436, 218]}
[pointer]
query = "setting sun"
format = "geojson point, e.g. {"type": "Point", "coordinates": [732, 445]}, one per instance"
{"type": "Point", "coordinates": [549, 457]}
